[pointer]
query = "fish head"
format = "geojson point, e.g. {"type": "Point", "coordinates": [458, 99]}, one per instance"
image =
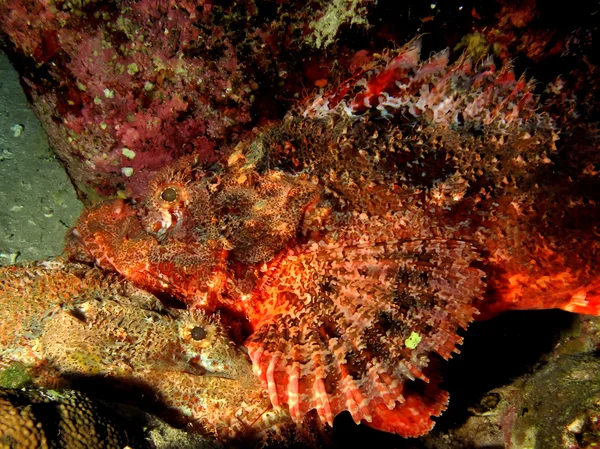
{"type": "Point", "coordinates": [208, 348]}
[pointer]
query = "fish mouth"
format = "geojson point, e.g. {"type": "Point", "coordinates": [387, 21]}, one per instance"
{"type": "Point", "coordinates": [196, 368]}
{"type": "Point", "coordinates": [76, 247]}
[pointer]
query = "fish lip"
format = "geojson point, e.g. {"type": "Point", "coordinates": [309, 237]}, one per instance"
{"type": "Point", "coordinates": [196, 368]}
{"type": "Point", "coordinates": [199, 370]}
{"type": "Point", "coordinates": [75, 236]}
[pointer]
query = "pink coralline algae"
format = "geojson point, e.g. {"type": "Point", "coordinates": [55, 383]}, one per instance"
{"type": "Point", "coordinates": [122, 95]}
{"type": "Point", "coordinates": [124, 88]}
{"type": "Point", "coordinates": [355, 238]}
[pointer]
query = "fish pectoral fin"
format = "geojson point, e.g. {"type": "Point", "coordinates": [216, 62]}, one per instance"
{"type": "Point", "coordinates": [349, 327]}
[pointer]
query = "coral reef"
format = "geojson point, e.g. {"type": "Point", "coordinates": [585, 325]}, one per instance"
{"type": "Point", "coordinates": [124, 98]}
{"type": "Point", "coordinates": [553, 404]}
{"type": "Point", "coordinates": [570, 384]}
{"type": "Point", "coordinates": [124, 88]}
{"type": "Point", "coordinates": [346, 245]}
{"type": "Point", "coordinates": [44, 419]}
{"type": "Point", "coordinates": [356, 247]}
{"type": "Point", "coordinates": [337, 13]}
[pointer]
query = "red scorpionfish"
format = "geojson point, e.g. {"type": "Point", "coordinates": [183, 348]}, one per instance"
{"type": "Point", "coordinates": [358, 235]}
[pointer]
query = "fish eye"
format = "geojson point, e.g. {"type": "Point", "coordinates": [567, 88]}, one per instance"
{"type": "Point", "coordinates": [169, 194]}
{"type": "Point", "coordinates": [198, 333]}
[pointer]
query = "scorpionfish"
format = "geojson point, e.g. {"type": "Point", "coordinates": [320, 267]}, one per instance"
{"type": "Point", "coordinates": [355, 238]}
{"type": "Point", "coordinates": [83, 329]}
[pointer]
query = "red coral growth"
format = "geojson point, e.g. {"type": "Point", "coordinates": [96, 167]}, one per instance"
{"type": "Point", "coordinates": [124, 88]}
{"type": "Point", "coordinates": [125, 94]}
{"type": "Point", "coordinates": [518, 31]}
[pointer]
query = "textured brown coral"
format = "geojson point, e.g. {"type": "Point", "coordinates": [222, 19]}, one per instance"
{"type": "Point", "coordinates": [42, 419]}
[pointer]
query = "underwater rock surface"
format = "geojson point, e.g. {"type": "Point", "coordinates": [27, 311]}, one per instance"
{"type": "Point", "coordinates": [37, 419]}
{"type": "Point", "coordinates": [552, 404]}
{"type": "Point", "coordinates": [67, 419]}
{"type": "Point", "coordinates": [37, 200]}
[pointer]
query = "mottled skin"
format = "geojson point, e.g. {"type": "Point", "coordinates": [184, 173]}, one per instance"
{"type": "Point", "coordinates": [356, 246]}
{"type": "Point", "coordinates": [136, 335]}
{"type": "Point", "coordinates": [78, 323]}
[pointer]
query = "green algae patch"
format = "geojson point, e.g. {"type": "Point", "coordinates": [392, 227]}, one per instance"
{"type": "Point", "coordinates": [15, 376]}
{"type": "Point", "coordinates": [413, 340]}
{"type": "Point", "coordinates": [337, 14]}
{"type": "Point", "coordinates": [54, 395]}
{"type": "Point", "coordinates": [477, 46]}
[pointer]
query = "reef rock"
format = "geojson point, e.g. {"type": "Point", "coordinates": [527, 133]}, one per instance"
{"type": "Point", "coordinates": [38, 419]}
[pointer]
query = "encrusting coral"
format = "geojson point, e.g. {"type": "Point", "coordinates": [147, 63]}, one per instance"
{"type": "Point", "coordinates": [351, 241]}
{"type": "Point", "coordinates": [129, 86]}
{"type": "Point", "coordinates": [42, 418]}
{"type": "Point", "coordinates": [46, 419]}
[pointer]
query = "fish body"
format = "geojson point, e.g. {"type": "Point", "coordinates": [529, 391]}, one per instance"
{"type": "Point", "coordinates": [357, 236]}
